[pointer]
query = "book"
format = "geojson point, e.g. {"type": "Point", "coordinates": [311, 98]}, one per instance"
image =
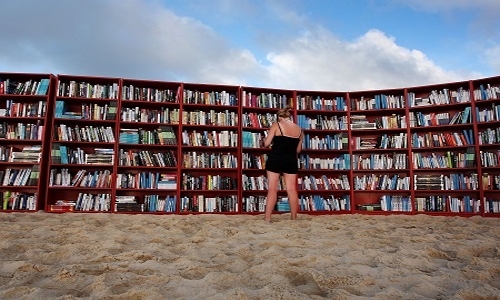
{"type": "Point", "coordinates": [369, 207]}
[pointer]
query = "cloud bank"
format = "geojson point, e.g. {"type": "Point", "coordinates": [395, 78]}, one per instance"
{"type": "Point", "coordinates": [146, 40]}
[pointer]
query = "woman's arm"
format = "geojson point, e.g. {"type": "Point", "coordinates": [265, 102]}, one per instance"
{"type": "Point", "coordinates": [299, 146]}
{"type": "Point", "coordinates": [270, 135]}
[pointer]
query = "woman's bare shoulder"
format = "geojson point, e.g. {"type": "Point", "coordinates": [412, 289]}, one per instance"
{"type": "Point", "coordinates": [294, 126]}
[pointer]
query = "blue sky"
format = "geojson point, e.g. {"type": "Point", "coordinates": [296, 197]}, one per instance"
{"type": "Point", "coordinates": [337, 45]}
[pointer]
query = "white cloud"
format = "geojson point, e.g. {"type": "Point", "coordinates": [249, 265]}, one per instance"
{"type": "Point", "coordinates": [318, 60]}
{"type": "Point", "coordinates": [492, 55]}
{"type": "Point", "coordinates": [123, 38]}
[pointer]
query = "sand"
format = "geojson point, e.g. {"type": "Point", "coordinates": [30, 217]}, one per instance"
{"type": "Point", "coordinates": [119, 256]}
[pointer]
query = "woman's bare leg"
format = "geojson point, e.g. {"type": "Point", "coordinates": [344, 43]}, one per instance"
{"type": "Point", "coordinates": [293, 197]}
{"type": "Point", "coordinates": [272, 194]}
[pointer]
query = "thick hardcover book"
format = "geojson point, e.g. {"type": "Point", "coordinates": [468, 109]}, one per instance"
{"type": "Point", "coordinates": [369, 207]}
{"type": "Point", "coordinates": [61, 208]}
{"type": "Point", "coordinates": [131, 207]}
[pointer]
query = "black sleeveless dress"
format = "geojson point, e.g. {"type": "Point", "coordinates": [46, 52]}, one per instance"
{"type": "Point", "coordinates": [283, 155]}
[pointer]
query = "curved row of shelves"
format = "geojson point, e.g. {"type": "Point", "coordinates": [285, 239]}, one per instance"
{"type": "Point", "coordinates": [126, 145]}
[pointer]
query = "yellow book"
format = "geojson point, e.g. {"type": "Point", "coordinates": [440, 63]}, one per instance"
{"type": "Point", "coordinates": [6, 198]}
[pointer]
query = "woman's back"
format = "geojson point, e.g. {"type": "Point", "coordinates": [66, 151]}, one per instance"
{"type": "Point", "coordinates": [285, 145]}
{"type": "Point", "coordinates": [288, 128]}
{"type": "Point", "coordinates": [286, 139]}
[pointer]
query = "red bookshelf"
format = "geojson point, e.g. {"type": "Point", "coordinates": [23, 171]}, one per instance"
{"type": "Point", "coordinates": [25, 112]}
{"type": "Point", "coordinates": [486, 119]}
{"type": "Point", "coordinates": [380, 152]}
{"type": "Point", "coordinates": [210, 149]}
{"type": "Point", "coordinates": [324, 179]}
{"type": "Point", "coordinates": [258, 109]}
{"type": "Point", "coordinates": [82, 165]}
{"type": "Point", "coordinates": [444, 166]}
{"type": "Point", "coordinates": [148, 147]}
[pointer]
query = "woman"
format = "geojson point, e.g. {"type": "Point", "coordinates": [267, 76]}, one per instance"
{"type": "Point", "coordinates": [286, 139]}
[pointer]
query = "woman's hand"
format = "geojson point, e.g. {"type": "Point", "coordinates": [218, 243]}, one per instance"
{"type": "Point", "coordinates": [270, 135]}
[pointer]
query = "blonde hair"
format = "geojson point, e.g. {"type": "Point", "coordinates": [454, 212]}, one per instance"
{"type": "Point", "coordinates": [285, 112]}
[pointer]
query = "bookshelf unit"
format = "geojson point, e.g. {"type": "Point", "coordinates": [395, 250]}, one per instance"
{"type": "Point", "coordinates": [100, 144]}
{"type": "Point", "coordinates": [148, 147]}
{"type": "Point", "coordinates": [324, 178]}
{"type": "Point", "coordinates": [25, 111]}
{"type": "Point", "coordinates": [380, 152]}
{"type": "Point", "coordinates": [82, 167]}
{"type": "Point", "coordinates": [210, 143]}
{"type": "Point", "coordinates": [486, 118]}
{"type": "Point", "coordinates": [258, 112]}
{"type": "Point", "coordinates": [443, 149]}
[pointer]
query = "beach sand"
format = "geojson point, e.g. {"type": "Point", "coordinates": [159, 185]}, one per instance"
{"type": "Point", "coordinates": [121, 256]}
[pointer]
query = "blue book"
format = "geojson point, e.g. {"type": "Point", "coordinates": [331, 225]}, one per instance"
{"type": "Point", "coordinates": [64, 154]}
{"type": "Point", "coordinates": [466, 115]}
{"type": "Point", "coordinates": [384, 101]}
{"type": "Point", "coordinates": [484, 94]}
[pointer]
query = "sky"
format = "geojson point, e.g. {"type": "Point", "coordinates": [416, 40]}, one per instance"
{"type": "Point", "coordinates": [322, 45]}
